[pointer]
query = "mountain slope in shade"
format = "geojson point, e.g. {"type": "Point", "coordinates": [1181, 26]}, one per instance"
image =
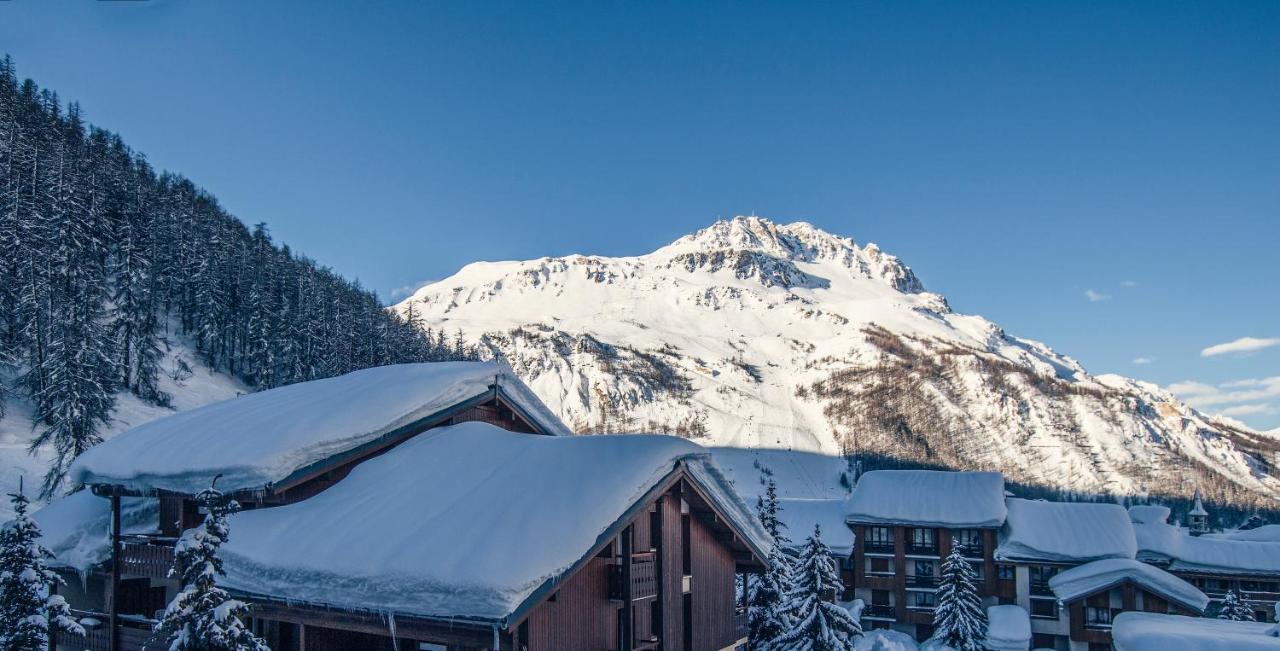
{"type": "Point", "coordinates": [753, 334]}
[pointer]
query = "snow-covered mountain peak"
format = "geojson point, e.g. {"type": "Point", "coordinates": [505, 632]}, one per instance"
{"type": "Point", "coordinates": [754, 334]}
{"type": "Point", "coordinates": [746, 240]}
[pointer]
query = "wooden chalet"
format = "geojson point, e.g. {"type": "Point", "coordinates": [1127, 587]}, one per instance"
{"type": "Point", "coordinates": [660, 573]}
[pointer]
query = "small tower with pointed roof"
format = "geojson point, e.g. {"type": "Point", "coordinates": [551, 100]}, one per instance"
{"type": "Point", "coordinates": [1198, 518]}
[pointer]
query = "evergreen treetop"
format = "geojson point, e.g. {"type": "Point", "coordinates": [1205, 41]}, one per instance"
{"type": "Point", "coordinates": [27, 609]}
{"type": "Point", "coordinates": [959, 620]}
{"type": "Point", "coordinates": [816, 622]}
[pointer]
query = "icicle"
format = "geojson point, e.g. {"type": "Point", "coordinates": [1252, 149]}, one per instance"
{"type": "Point", "coordinates": [391, 623]}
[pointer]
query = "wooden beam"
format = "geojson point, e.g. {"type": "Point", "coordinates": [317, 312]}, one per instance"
{"type": "Point", "coordinates": [114, 618]}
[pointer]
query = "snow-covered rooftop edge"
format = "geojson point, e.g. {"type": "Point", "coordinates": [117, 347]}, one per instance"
{"type": "Point", "coordinates": [452, 560]}
{"type": "Point", "coordinates": [308, 423]}
{"type": "Point", "coordinates": [1087, 579]}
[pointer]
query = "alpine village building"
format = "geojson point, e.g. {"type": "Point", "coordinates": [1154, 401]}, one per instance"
{"type": "Point", "coordinates": [442, 507]}
{"type": "Point", "coordinates": [424, 506]}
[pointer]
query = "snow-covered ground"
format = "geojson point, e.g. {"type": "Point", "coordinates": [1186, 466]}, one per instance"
{"type": "Point", "coordinates": [751, 334]}
{"type": "Point", "coordinates": [204, 386]}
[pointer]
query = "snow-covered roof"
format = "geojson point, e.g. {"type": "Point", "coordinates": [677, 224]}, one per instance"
{"type": "Point", "coordinates": [1209, 555]}
{"type": "Point", "coordinates": [1144, 513]}
{"type": "Point", "coordinates": [1087, 579]}
{"type": "Point", "coordinates": [76, 528]}
{"type": "Point", "coordinates": [1265, 533]}
{"type": "Point", "coordinates": [1135, 631]}
{"type": "Point", "coordinates": [1008, 628]}
{"type": "Point", "coordinates": [261, 438]}
{"type": "Point", "coordinates": [800, 516]}
{"type": "Point", "coordinates": [1065, 532]}
{"type": "Point", "coordinates": [466, 521]}
{"type": "Point", "coordinates": [928, 498]}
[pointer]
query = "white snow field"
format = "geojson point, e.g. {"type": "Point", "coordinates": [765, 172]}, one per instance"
{"type": "Point", "coordinates": [929, 498]}
{"type": "Point", "coordinates": [460, 521]}
{"type": "Point", "coordinates": [753, 334]}
{"type": "Point", "coordinates": [1093, 576]}
{"type": "Point", "coordinates": [260, 438]}
{"type": "Point", "coordinates": [1065, 532]}
{"type": "Point", "coordinates": [1133, 631]}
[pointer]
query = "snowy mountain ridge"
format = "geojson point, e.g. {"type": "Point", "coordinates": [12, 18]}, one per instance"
{"type": "Point", "coordinates": [754, 334]}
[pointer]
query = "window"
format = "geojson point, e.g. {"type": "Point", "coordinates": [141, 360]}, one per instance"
{"type": "Point", "coordinates": [1097, 617]}
{"type": "Point", "coordinates": [1043, 641]}
{"type": "Point", "coordinates": [923, 538]}
{"type": "Point", "coordinates": [977, 568]}
{"type": "Point", "coordinates": [880, 566]}
{"type": "Point", "coordinates": [1044, 608]}
{"type": "Point", "coordinates": [969, 541]}
{"type": "Point", "coordinates": [1005, 572]}
{"type": "Point", "coordinates": [880, 597]}
{"type": "Point", "coordinates": [1040, 575]}
{"type": "Point", "coordinates": [924, 568]}
{"type": "Point", "coordinates": [922, 600]}
{"type": "Point", "coordinates": [878, 540]}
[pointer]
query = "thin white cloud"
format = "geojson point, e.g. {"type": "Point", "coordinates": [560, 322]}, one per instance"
{"type": "Point", "coordinates": [1241, 345]}
{"type": "Point", "coordinates": [1247, 410]}
{"type": "Point", "coordinates": [1200, 395]}
{"type": "Point", "coordinates": [1143, 361]}
{"type": "Point", "coordinates": [1129, 283]}
{"type": "Point", "coordinates": [1095, 297]}
{"type": "Point", "coordinates": [404, 291]}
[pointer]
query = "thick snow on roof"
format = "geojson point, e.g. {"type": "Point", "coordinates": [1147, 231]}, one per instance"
{"type": "Point", "coordinates": [260, 438]}
{"type": "Point", "coordinates": [801, 515]}
{"type": "Point", "coordinates": [1164, 542]}
{"type": "Point", "coordinates": [76, 528]}
{"type": "Point", "coordinates": [1084, 580]}
{"type": "Point", "coordinates": [1265, 533]}
{"type": "Point", "coordinates": [1148, 513]}
{"type": "Point", "coordinates": [1008, 628]}
{"type": "Point", "coordinates": [464, 521]}
{"type": "Point", "coordinates": [1134, 631]}
{"type": "Point", "coordinates": [929, 498]}
{"type": "Point", "coordinates": [1065, 532]}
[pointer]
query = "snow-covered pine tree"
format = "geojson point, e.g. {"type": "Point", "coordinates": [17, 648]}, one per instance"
{"type": "Point", "coordinates": [766, 618]}
{"type": "Point", "coordinates": [816, 622]}
{"type": "Point", "coordinates": [959, 620]}
{"type": "Point", "coordinates": [203, 617]}
{"type": "Point", "coordinates": [27, 609]}
{"type": "Point", "coordinates": [1235, 608]}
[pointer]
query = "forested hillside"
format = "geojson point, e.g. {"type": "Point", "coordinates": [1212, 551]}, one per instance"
{"type": "Point", "coordinates": [103, 260]}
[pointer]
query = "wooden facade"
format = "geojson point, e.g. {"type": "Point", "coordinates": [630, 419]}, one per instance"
{"type": "Point", "coordinates": [665, 579]}
{"type": "Point", "coordinates": [887, 570]}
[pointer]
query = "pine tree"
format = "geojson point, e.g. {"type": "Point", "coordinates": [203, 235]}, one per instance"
{"type": "Point", "coordinates": [766, 618]}
{"type": "Point", "coordinates": [1235, 608]}
{"type": "Point", "coordinates": [959, 620]}
{"type": "Point", "coordinates": [203, 617]}
{"type": "Point", "coordinates": [816, 622]}
{"type": "Point", "coordinates": [27, 610]}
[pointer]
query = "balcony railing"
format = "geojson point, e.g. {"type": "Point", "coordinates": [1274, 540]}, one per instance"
{"type": "Point", "coordinates": [740, 622]}
{"type": "Point", "coordinates": [914, 549]}
{"type": "Point", "coordinates": [971, 550]}
{"type": "Point", "coordinates": [874, 611]}
{"type": "Point", "coordinates": [644, 578]}
{"type": "Point", "coordinates": [922, 581]}
{"type": "Point", "coordinates": [1041, 589]}
{"type": "Point", "coordinates": [135, 633]}
{"type": "Point", "coordinates": [146, 556]}
{"type": "Point", "coordinates": [877, 547]}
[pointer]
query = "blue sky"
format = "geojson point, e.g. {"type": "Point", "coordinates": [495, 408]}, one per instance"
{"type": "Point", "coordinates": [1104, 177]}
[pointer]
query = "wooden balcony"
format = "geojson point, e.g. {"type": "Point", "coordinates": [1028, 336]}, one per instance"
{"type": "Point", "coordinates": [135, 634]}
{"type": "Point", "coordinates": [146, 556]}
{"type": "Point", "coordinates": [876, 611]}
{"type": "Point", "coordinates": [644, 578]}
